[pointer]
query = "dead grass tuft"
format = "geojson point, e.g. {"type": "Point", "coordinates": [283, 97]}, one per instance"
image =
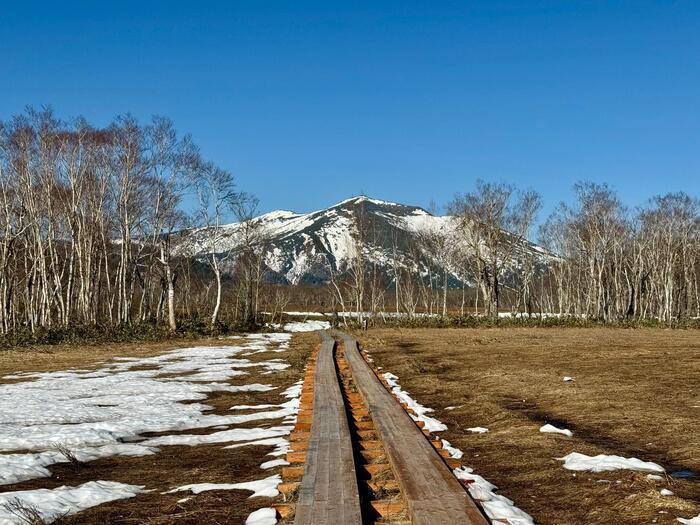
{"type": "Point", "coordinates": [27, 514]}
{"type": "Point", "coordinates": [68, 454]}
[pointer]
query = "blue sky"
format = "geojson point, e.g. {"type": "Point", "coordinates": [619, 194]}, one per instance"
{"type": "Point", "coordinates": [308, 103]}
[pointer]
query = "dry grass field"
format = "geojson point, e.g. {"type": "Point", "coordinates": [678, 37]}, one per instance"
{"type": "Point", "coordinates": [636, 394]}
{"type": "Point", "coordinates": [174, 465]}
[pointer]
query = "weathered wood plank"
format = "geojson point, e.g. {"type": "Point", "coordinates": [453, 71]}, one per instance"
{"type": "Point", "coordinates": [432, 493]}
{"type": "Point", "coordinates": [328, 493]}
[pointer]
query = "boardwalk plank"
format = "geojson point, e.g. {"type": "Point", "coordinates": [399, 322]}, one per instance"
{"type": "Point", "coordinates": [328, 493]}
{"type": "Point", "coordinates": [432, 493]}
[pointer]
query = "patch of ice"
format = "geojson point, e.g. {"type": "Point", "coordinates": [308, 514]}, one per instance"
{"type": "Point", "coordinates": [602, 462]}
{"type": "Point", "coordinates": [264, 487]}
{"type": "Point", "coordinates": [555, 430]}
{"type": "Point", "coordinates": [52, 504]}
{"type": "Point", "coordinates": [266, 516]}
{"type": "Point", "coordinates": [478, 430]}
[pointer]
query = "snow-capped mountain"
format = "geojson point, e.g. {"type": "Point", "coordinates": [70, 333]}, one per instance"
{"type": "Point", "coordinates": [305, 248]}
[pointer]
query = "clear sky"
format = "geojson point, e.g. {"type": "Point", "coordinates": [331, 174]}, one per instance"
{"type": "Point", "coordinates": [308, 103]}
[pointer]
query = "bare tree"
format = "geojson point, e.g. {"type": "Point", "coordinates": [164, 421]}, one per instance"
{"type": "Point", "coordinates": [614, 265]}
{"type": "Point", "coordinates": [248, 252]}
{"type": "Point", "coordinates": [216, 194]}
{"type": "Point", "coordinates": [495, 220]}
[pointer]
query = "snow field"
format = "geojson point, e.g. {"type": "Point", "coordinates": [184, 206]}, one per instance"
{"type": "Point", "coordinates": [92, 413]}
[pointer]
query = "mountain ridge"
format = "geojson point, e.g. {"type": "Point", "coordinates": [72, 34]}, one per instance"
{"type": "Point", "coordinates": [310, 247]}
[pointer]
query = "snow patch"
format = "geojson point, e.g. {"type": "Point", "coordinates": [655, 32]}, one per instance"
{"type": "Point", "coordinates": [602, 462]}
{"type": "Point", "coordinates": [555, 430]}
{"type": "Point", "coordinates": [454, 452]}
{"type": "Point", "coordinates": [274, 463]}
{"type": "Point", "coordinates": [224, 436]}
{"type": "Point", "coordinates": [309, 325]}
{"type": "Point", "coordinates": [304, 314]}
{"type": "Point", "coordinates": [266, 516]}
{"type": "Point", "coordinates": [478, 430]}
{"type": "Point", "coordinates": [261, 488]}
{"type": "Point", "coordinates": [281, 444]}
{"type": "Point", "coordinates": [52, 504]}
{"type": "Point", "coordinates": [15, 468]}
{"type": "Point", "coordinates": [431, 424]}
{"type": "Point", "coordinates": [499, 508]}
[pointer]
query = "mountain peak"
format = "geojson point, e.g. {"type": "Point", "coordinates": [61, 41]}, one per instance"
{"type": "Point", "coordinates": [358, 199]}
{"type": "Point", "coordinates": [303, 246]}
{"type": "Point", "coordinates": [378, 205]}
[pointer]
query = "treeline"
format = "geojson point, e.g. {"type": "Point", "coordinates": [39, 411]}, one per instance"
{"type": "Point", "coordinates": [616, 263]}
{"type": "Point", "coordinates": [602, 261]}
{"type": "Point", "coordinates": [95, 232]}
{"type": "Point", "coordinates": [87, 220]}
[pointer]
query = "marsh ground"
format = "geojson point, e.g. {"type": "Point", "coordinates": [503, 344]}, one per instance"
{"type": "Point", "coordinates": [636, 393]}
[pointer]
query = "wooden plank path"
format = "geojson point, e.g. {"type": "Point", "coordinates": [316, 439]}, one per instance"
{"type": "Point", "coordinates": [432, 493]}
{"type": "Point", "coordinates": [328, 493]}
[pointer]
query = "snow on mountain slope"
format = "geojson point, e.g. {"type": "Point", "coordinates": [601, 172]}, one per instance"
{"type": "Point", "coordinates": [303, 247]}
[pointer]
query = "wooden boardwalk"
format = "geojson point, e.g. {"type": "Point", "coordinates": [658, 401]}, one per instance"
{"type": "Point", "coordinates": [328, 493]}
{"type": "Point", "coordinates": [432, 493]}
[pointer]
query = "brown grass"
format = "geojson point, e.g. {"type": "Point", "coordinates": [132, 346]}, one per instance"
{"type": "Point", "coordinates": [633, 396]}
{"type": "Point", "coordinates": [48, 358]}
{"type": "Point", "coordinates": [175, 465]}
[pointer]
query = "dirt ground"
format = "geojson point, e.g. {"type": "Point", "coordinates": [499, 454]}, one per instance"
{"type": "Point", "coordinates": [636, 393]}
{"type": "Point", "coordinates": [174, 465]}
